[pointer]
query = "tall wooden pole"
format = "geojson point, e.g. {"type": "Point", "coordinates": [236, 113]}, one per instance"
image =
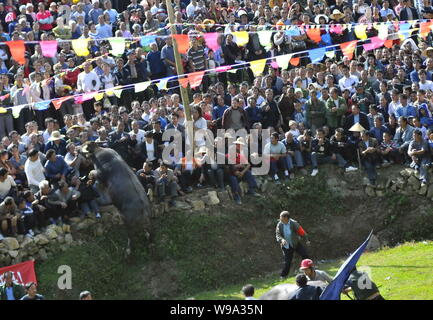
{"type": "Point", "coordinates": [178, 60]}
{"type": "Point", "coordinates": [189, 126]}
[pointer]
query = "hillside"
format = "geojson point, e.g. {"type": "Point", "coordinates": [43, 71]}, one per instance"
{"type": "Point", "coordinates": [209, 242]}
{"type": "Point", "coordinates": [401, 273]}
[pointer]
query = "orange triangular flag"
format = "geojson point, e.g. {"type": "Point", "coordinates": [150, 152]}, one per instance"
{"type": "Point", "coordinates": [425, 28]}
{"type": "Point", "coordinates": [388, 43]}
{"type": "Point", "coordinates": [18, 50]}
{"type": "Point", "coordinates": [295, 61]}
{"type": "Point", "coordinates": [314, 34]}
{"type": "Point", "coordinates": [182, 42]}
{"type": "Point", "coordinates": [58, 102]}
{"type": "Point", "coordinates": [195, 79]}
{"type": "Point", "coordinates": [348, 48]}
{"type": "Point", "coordinates": [184, 82]}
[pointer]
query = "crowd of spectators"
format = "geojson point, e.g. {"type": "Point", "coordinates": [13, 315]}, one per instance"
{"type": "Point", "coordinates": [374, 109]}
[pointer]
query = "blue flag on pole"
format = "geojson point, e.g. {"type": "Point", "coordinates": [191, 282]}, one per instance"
{"type": "Point", "coordinates": [333, 291]}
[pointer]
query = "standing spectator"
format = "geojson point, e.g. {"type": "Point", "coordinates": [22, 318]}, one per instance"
{"type": "Point", "coordinates": [88, 81]}
{"type": "Point", "coordinates": [418, 150]}
{"type": "Point", "coordinates": [315, 112]}
{"type": "Point", "coordinates": [277, 153]}
{"type": "Point", "coordinates": [34, 170]}
{"type": "Point", "coordinates": [156, 63]}
{"type": "Point", "coordinates": [95, 12]}
{"type": "Point", "coordinates": [288, 234]}
{"type": "Point", "coordinates": [57, 143]}
{"type": "Point", "coordinates": [235, 117]}
{"type": "Point", "coordinates": [11, 290]}
{"type": "Point", "coordinates": [44, 18]}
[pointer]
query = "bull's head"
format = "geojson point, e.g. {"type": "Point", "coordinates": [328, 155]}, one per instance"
{"type": "Point", "coordinates": [89, 148]}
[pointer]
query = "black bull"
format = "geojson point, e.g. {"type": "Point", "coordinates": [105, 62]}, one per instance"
{"type": "Point", "coordinates": [124, 188]}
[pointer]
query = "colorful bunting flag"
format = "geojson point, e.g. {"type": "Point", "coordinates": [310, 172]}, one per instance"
{"type": "Point", "coordinates": [360, 31]}
{"type": "Point", "coordinates": [145, 41]}
{"type": "Point", "coordinates": [326, 39]}
{"type": "Point", "coordinates": [388, 43]}
{"type": "Point", "coordinates": [265, 39]}
{"type": "Point", "coordinates": [336, 28]}
{"type": "Point", "coordinates": [330, 54]}
{"type": "Point", "coordinates": [316, 55]}
{"type": "Point", "coordinates": [80, 47]}
{"type": "Point", "coordinates": [425, 28]}
{"type": "Point", "coordinates": [84, 97]}
{"type": "Point", "coordinates": [295, 61]}
{"type": "Point", "coordinates": [99, 96]}
{"type": "Point", "coordinates": [383, 31]}
{"type": "Point", "coordinates": [3, 110]}
{"type": "Point", "coordinates": [314, 34]}
{"type": "Point", "coordinates": [242, 38]}
{"type": "Point", "coordinates": [348, 48]}
{"type": "Point", "coordinates": [274, 64]}
{"type": "Point", "coordinates": [257, 66]}
{"type": "Point", "coordinates": [162, 85]}
{"type": "Point", "coordinates": [195, 78]}
{"type": "Point", "coordinates": [404, 31]}
{"type": "Point", "coordinates": [283, 61]}
{"type": "Point", "coordinates": [139, 87]}
{"type": "Point", "coordinates": [117, 45]}
{"type": "Point", "coordinates": [58, 102]}
{"type": "Point", "coordinates": [18, 50]}
{"type": "Point", "coordinates": [184, 82]}
{"type": "Point", "coordinates": [3, 98]}
{"type": "Point", "coordinates": [374, 44]}
{"type": "Point", "coordinates": [293, 31]}
{"type": "Point", "coordinates": [49, 48]}
{"type": "Point", "coordinates": [42, 105]}
{"type": "Point", "coordinates": [118, 93]}
{"type": "Point", "coordinates": [212, 41]}
{"type": "Point", "coordinates": [182, 42]}
{"type": "Point", "coordinates": [223, 69]}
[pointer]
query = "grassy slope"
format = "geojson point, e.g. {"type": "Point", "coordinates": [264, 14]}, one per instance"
{"type": "Point", "coordinates": [402, 273]}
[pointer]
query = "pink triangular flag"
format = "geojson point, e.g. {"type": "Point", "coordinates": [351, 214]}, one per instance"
{"type": "Point", "coordinates": [212, 40]}
{"type": "Point", "coordinates": [49, 48]}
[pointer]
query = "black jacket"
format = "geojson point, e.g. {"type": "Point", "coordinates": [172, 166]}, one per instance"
{"type": "Point", "coordinates": [307, 293]}
{"type": "Point", "coordinates": [363, 121]}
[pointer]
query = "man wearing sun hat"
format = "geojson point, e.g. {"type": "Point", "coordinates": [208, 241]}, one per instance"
{"type": "Point", "coordinates": [57, 143]}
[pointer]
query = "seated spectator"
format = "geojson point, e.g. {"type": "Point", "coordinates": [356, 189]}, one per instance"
{"type": "Point", "coordinates": [88, 195]}
{"type": "Point", "coordinates": [378, 129]}
{"type": "Point", "coordinates": [39, 211]}
{"type": "Point", "coordinates": [403, 136]}
{"type": "Point", "coordinates": [147, 178]}
{"type": "Point", "coordinates": [74, 159]}
{"type": "Point", "coordinates": [27, 217]}
{"type": "Point", "coordinates": [68, 197]}
{"type": "Point", "coordinates": [150, 150]}
{"type": "Point", "coordinates": [10, 218]}
{"type": "Point", "coordinates": [214, 171]}
{"type": "Point", "coordinates": [294, 154]}
{"type": "Point", "coordinates": [166, 182]}
{"type": "Point", "coordinates": [8, 186]}
{"type": "Point", "coordinates": [388, 150]}
{"type": "Point", "coordinates": [419, 152]}
{"type": "Point", "coordinates": [17, 161]}
{"type": "Point", "coordinates": [56, 143]}
{"type": "Point", "coordinates": [32, 294]}
{"type": "Point", "coordinates": [277, 153]}
{"type": "Point", "coordinates": [368, 148]}
{"type": "Point", "coordinates": [342, 148]}
{"type": "Point", "coordinates": [305, 144]}
{"type": "Point", "coordinates": [49, 202]}
{"type": "Point", "coordinates": [240, 169]}
{"type": "Point", "coordinates": [188, 173]}
{"type": "Point", "coordinates": [11, 290]}
{"type": "Point", "coordinates": [56, 168]}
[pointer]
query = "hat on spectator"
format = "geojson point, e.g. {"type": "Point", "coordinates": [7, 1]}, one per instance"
{"type": "Point", "coordinates": [298, 90]}
{"type": "Point", "coordinates": [336, 15]}
{"type": "Point", "coordinates": [240, 141]}
{"type": "Point", "coordinates": [241, 13]}
{"type": "Point", "coordinates": [56, 136]}
{"type": "Point", "coordinates": [357, 128]}
{"type": "Point", "coordinates": [317, 18]}
{"type": "Point", "coordinates": [429, 49]}
{"type": "Point", "coordinates": [76, 126]}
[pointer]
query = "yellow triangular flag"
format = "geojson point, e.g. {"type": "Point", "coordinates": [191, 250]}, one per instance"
{"type": "Point", "coordinates": [80, 47]}
{"type": "Point", "coordinates": [99, 96]}
{"type": "Point", "coordinates": [242, 38]}
{"type": "Point", "coordinates": [330, 54]}
{"type": "Point", "coordinates": [162, 85]}
{"type": "Point", "coordinates": [118, 93]}
{"type": "Point", "coordinates": [257, 66]}
{"type": "Point", "coordinates": [360, 31]}
{"type": "Point", "coordinates": [141, 86]}
{"type": "Point", "coordinates": [3, 110]}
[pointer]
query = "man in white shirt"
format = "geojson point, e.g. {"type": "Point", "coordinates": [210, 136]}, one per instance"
{"type": "Point", "coordinates": [88, 81]}
{"type": "Point", "coordinates": [424, 84]}
{"type": "Point", "coordinates": [347, 81]}
{"type": "Point", "coordinates": [111, 12]}
{"type": "Point", "coordinates": [7, 184]}
{"type": "Point", "coordinates": [139, 133]}
{"type": "Point", "coordinates": [395, 103]}
{"type": "Point", "coordinates": [34, 171]}
{"type": "Point", "coordinates": [191, 8]}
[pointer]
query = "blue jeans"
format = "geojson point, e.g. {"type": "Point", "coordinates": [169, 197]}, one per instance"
{"type": "Point", "coordinates": [281, 162]}
{"type": "Point", "coordinates": [370, 167]}
{"type": "Point", "coordinates": [421, 166]}
{"type": "Point", "coordinates": [321, 159]}
{"type": "Point", "coordinates": [234, 182]}
{"type": "Point", "coordinates": [90, 206]}
{"type": "Point", "coordinates": [163, 185]}
{"type": "Point", "coordinates": [298, 159]}
{"type": "Point", "coordinates": [216, 176]}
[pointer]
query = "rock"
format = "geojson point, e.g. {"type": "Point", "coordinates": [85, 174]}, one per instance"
{"type": "Point", "coordinates": [369, 190]}
{"type": "Point", "coordinates": [389, 183]}
{"type": "Point", "coordinates": [414, 183]}
{"type": "Point", "coordinates": [75, 219]}
{"type": "Point", "coordinates": [430, 191]}
{"type": "Point", "coordinates": [11, 243]}
{"type": "Point", "coordinates": [197, 205]}
{"type": "Point", "coordinates": [99, 231]}
{"type": "Point", "coordinates": [43, 255]}
{"type": "Point", "coordinates": [66, 228]}
{"type": "Point", "coordinates": [7, 260]}
{"type": "Point", "coordinates": [84, 224]}
{"type": "Point", "coordinates": [40, 239]}
{"type": "Point", "coordinates": [423, 190]}
{"type": "Point", "coordinates": [406, 173]}
{"type": "Point", "coordinates": [63, 248]}
{"type": "Point", "coordinates": [13, 253]}
{"type": "Point", "coordinates": [27, 242]}
{"type": "Point", "coordinates": [61, 239]}
{"type": "Point", "coordinates": [365, 181]}
{"type": "Point", "coordinates": [380, 193]}
{"type": "Point", "coordinates": [59, 229]}
{"type": "Point", "coordinates": [51, 234]}
{"type": "Point", "coordinates": [68, 239]}
{"type": "Point", "coordinates": [213, 198]}
{"type": "Point", "coordinates": [374, 243]}
{"type": "Point", "coordinates": [264, 187]}
{"type": "Point", "coordinates": [182, 205]}
{"type": "Point", "coordinates": [20, 238]}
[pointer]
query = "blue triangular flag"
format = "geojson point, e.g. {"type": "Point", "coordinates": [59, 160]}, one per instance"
{"type": "Point", "coordinates": [42, 105]}
{"type": "Point", "coordinates": [326, 38]}
{"type": "Point", "coordinates": [145, 41]}
{"type": "Point", "coordinates": [316, 55]}
{"type": "Point", "coordinates": [333, 291]}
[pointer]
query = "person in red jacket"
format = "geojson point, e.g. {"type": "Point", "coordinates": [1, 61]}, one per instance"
{"type": "Point", "coordinates": [44, 18]}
